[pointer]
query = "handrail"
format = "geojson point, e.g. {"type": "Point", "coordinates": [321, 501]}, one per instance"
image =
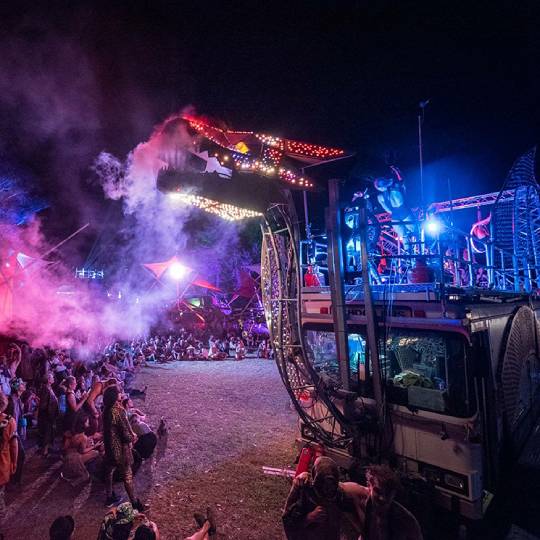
{"type": "Point", "coordinates": [504, 271]}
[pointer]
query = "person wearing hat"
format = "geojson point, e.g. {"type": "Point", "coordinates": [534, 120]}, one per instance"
{"type": "Point", "coordinates": [62, 528]}
{"type": "Point", "coordinates": [118, 522]}
{"type": "Point", "coordinates": [124, 521]}
{"type": "Point", "coordinates": [15, 409]}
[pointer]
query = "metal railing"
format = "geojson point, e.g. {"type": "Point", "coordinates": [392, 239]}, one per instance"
{"type": "Point", "coordinates": [451, 258]}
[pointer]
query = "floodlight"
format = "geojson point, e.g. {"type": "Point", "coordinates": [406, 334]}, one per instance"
{"type": "Point", "coordinates": [177, 271]}
{"type": "Point", "coordinates": [433, 226]}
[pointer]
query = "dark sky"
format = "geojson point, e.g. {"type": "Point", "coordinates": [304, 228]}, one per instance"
{"type": "Point", "coordinates": [79, 80]}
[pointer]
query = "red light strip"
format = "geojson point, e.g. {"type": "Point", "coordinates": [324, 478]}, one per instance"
{"type": "Point", "coordinates": [273, 150]}
{"type": "Point", "coordinates": [312, 150]}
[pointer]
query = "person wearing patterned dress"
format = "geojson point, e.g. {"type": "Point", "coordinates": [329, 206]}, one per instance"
{"type": "Point", "coordinates": [118, 439]}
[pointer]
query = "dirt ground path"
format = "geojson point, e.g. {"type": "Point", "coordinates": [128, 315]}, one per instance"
{"type": "Point", "coordinates": [226, 420]}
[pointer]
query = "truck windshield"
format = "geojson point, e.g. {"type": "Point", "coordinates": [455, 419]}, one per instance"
{"type": "Point", "coordinates": [420, 369]}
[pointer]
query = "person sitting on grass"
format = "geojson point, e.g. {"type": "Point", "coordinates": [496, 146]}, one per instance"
{"type": "Point", "coordinates": [377, 514]}
{"type": "Point", "coordinates": [215, 354]}
{"type": "Point", "coordinates": [126, 362]}
{"type": "Point", "coordinates": [315, 504]}
{"type": "Point", "coordinates": [126, 523]}
{"type": "Point", "coordinates": [191, 352]}
{"type": "Point", "coordinates": [176, 350]}
{"type": "Point", "coordinates": [232, 345]}
{"type": "Point", "coordinates": [262, 349]}
{"type": "Point", "coordinates": [139, 360]}
{"type": "Point", "coordinates": [240, 350]}
{"type": "Point", "coordinates": [78, 451]}
{"type": "Point", "coordinates": [146, 438]}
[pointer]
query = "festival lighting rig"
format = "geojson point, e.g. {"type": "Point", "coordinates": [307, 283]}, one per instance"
{"type": "Point", "coordinates": [237, 174]}
{"type": "Point", "coordinates": [228, 212]}
{"type": "Point", "coordinates": [89, 273]}
{"type": "Point", "coordinates": [268, 155]}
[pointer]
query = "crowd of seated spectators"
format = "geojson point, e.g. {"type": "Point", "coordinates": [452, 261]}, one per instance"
{"type": "Point", "coordinates": [82, 412]}
{"type": "Point", "coordinates": [192, 346]}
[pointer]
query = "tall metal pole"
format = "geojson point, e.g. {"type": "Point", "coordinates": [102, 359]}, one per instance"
{"type": "Point", "coordinates": [421, 160]}
{"type": "Point", "coordinates": [422, 105]}
{"type": "Point", "coordinates": [310, 255]}
{"type": "Point", "coordinates": [336, 278]}
{"type": "Point", "coordinates": [306, 217]}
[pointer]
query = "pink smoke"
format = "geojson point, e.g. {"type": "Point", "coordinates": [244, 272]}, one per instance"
{"type": "Point", "coordinates": [45, 304]}
{"type": "Point", "coordinates": [135, 180]}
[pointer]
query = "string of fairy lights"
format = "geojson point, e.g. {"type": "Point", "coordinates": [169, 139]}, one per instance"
{"type": "Point", "coordinates": [225, 211]}
{"type": "Point", "coordinates": [267, 160]}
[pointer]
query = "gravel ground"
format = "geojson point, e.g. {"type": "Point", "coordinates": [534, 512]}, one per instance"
{"type": "Point", "coordinates": [225, 419]}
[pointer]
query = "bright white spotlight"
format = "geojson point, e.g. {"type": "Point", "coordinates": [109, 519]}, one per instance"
{"type": "Point", "coordinates": [177, 271]}
{"type": "Point", "coordinates": [433, 226]}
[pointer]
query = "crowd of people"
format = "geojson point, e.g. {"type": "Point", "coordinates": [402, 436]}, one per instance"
{"type": "Point", "coordinates": [192, 345]}
{"type": "Point", "coordinates": [82, 412]}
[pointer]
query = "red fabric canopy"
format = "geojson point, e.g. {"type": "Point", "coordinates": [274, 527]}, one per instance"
{"type": "Point", "coordinates": [159, 268]}
{"type": "Point", "coordinates": [205, 284]}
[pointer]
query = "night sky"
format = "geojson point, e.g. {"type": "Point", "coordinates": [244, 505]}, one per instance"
{"type": "Point", "coordinates": [76, 81]}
